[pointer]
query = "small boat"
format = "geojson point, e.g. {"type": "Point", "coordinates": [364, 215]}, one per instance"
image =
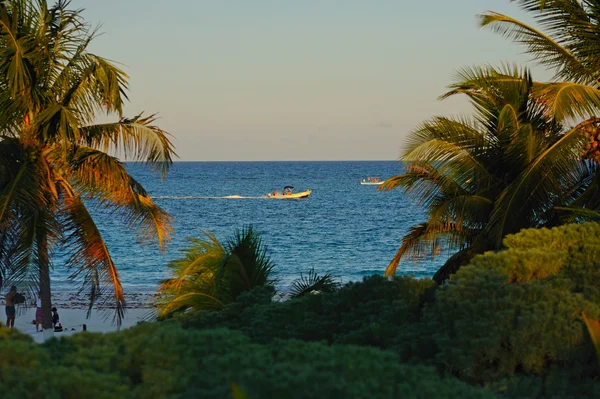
{"type": "Point", "coordinates": [287, 193]}
{"type": "Point", "coordinates": [372, 181]}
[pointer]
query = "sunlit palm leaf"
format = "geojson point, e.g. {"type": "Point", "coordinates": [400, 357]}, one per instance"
{"type": "Point", "coordinates": [191, 300]}
{"type": "Point", "coordinates": [90, 260]}
{"type": "Point", "coordinates": [198, 268]}
{"type": "Point", "coordinates": [210, 275]}
{"type": "Point", "coordinates": [137, 138]}
{"type": "Point", "coordinates": [544, 48]}
{"type": "Point", "coordinates": [568, 100]}
{"type": "Point", "coordinates": [424, 182]}
{"type": "Point", "coordinates": [14, 50]}
{"type": "Point", "coordinates": [104, 178]}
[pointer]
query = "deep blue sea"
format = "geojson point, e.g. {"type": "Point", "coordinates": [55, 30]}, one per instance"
{"type": "Point", "coordinates": [344, 228]}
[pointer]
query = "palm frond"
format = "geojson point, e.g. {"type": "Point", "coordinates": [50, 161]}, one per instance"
{"type": "Point", "coordinates": [490, 89]}
{"type": "Point", "coordinates": [104, 178]}
{"type": "Point", "coordinates": [247, 264]}
{"type": "Point", "coordinates": [198, 267]}
{"type": "Point", "coordinates": [425, 182]}
{"type": "Point", "coordinates": [577, 213]}
{"type": "Point", "coordinates": [313, 283]}
{"type": "Point", "coordinates": [532, 193]}
{"type": "Point", "coordinates": [90, 259]}
{"type": "Point", "coordinates": [210, 275]}
{"type": "Point", "coordinates": [138, 139]}
{"type": "Point", "coordinates": [194, 284]}
{"type": "Point", "coordinates": [462, 137]}
{"type": "Point", "coordinates": [545, 49]}
{"type": "Point", "coordinates": [427, 240]}
{"type": "Point", "coordinates": [189, 301]}
{"type": "Point", "coordinates": [26, 184]}
{"type": "Point", "coordinates": [14, 50]}
{"type": "Point", "coordinates": [101, 85]}
{"type": "Point", "coordinates": [568, 100]}
{"type": "Point", "coordinates": [466, 211]}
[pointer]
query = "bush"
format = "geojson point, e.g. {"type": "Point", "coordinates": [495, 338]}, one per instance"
{"type": "Point", "coordinates": [376, 312]}
{"type": "Point", "coordinates": [519, 311]}
{"type": "Point", "coordinates": [556, 239]}
{"type": "Point", "coordinates": [163, 360]}
{"type": "Point", "coordinates": [486, 329]}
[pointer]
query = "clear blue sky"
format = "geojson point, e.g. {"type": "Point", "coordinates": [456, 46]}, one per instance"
{"type": "Point", "coordinates": [294, 80]}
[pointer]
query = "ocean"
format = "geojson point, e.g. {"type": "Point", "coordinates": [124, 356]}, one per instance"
{"type": "Point", "coordinates": [344, 228]}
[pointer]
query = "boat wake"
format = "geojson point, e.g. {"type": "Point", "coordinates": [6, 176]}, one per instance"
{"type": "Point", "coordinates": [197, 197]}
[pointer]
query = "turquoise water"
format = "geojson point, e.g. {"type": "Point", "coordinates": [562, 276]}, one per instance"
{"type": "Point", "coordinates": [344, 228]}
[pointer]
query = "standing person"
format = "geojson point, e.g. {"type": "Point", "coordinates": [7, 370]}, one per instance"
{"type": "Point", "coordinates": [38, 312]}
{"type": "Point", "coordinates": [10, 307]}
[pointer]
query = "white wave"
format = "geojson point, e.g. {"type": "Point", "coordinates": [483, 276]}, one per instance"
{"type": "Point", "coordinates": [194, 197]}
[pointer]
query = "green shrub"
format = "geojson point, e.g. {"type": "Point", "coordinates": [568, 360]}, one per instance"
{"type": "Point", "coordinates": [556, 239]}
{"type": "Point", "coordinates": [519, 311]}
{"type": "Point", "coordinates": [571, 251]}
{"type": "Point", "coordinates": [375, 312]}
{"type": "Point", "coordinates": [28, 370]}
{"type": "Point", "coordinates": [163, 360]}
{"type": "Point", "coordinates": [21, 362]}
{"type": "Point", "coordinates": [486, 329]}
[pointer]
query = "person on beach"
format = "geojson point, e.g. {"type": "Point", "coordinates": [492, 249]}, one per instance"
{"type": "Point", "coordinates": [10, 307]}
{"type": "Point", "coordinates": [55, 317]}
{"type": "Point", "coordinates": [38, 312]}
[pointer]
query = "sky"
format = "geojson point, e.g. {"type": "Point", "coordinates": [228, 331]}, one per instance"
{"type": "Point", "coordinates": [237, 80]}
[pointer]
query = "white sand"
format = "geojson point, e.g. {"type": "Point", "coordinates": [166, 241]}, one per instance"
{"type": "Point", "coordinates": [72, 321]}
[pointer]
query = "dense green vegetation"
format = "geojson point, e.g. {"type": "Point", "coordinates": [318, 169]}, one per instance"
{"type": "Point", "coordinates": [510, 324]}
{"type": "Point", "coordinates": [159, 360]}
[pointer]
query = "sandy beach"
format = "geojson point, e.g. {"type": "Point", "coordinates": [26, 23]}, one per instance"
{"type": "Point", "coordinates": [72, 309]}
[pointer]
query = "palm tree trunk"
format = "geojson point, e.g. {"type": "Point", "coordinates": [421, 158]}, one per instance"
{"type": "Point", "coordinates": [452, 265]}
{"type": "Point", "coordinates": [45, 297]}
{"type": "Point", "coordinates": [44, 268]}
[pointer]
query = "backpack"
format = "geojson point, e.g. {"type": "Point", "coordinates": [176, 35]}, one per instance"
{"type": "Point", "coordinates": [18, 298]}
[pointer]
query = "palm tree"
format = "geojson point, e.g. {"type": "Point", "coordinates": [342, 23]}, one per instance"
{"type": "Point", "coordinates": [506, 168]}
{"type": "Point", "coordinates": [55, 161]}
{"type": "Point", "coordinates": [210, 275]}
